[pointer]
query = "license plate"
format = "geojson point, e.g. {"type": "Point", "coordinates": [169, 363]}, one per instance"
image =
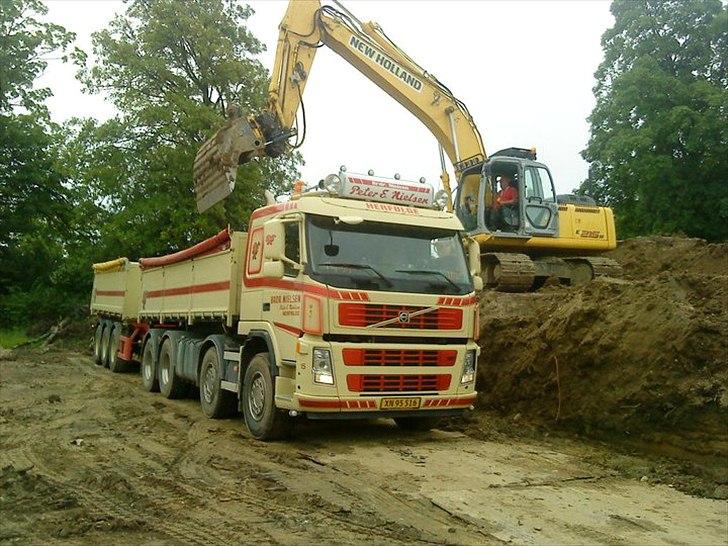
{"type": "Point", "coordinates": [399, 403]}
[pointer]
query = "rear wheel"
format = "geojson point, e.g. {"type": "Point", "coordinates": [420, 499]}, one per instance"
{"type": "Point", "coordinates": [149, 368]}
{"type": "Point", "coordinates": [98, 334]}
{"type": "Point", "coordinates": [417, 423]}
{"type": "Point", "coordinates": [170, 385]}
{"type": "Point", "coordinates": [216, 402]}
{"type": "Point", "coordinates": [264, 420]}
{"type": "Point", "coordinates": [116, 364]}
{"type": "Point", "coordinates": [105, 342]}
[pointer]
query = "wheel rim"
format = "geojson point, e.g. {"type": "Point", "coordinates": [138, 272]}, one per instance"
{"type": "Point", "coordinates": [256, 400]}
{"type": "Point", "coordinates": [208, 385]}
{"type": "Point", "coordinates": [114, 349]}
{"type": "Point", "coordinates": [147, 369]}
{"type": "Point", "coordinates": [104, 349]}
{"type": "Point", "coordinates": [164, 370]}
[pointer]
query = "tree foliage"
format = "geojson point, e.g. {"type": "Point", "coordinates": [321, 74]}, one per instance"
{"type": "Point", "coordinates": [658, 150]}
{"type": "Point", "coordinates": [171, 68]}
{"type": "Point", "coordinates": [25, 44]}
{"type": "Point", "coordinates": [92, 191]}
{"type": "Point", "coordinates": [34, 200]}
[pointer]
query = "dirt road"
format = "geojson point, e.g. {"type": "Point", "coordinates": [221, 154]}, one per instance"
{"type": "Point", "coordinates": [88, 457]}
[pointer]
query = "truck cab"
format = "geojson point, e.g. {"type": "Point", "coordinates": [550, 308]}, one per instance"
{"type": "Point", "coordinates": [367, 293]}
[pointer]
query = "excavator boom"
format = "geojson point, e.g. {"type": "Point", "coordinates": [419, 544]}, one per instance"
{"type": "Point", "coordinates": [306, 26]}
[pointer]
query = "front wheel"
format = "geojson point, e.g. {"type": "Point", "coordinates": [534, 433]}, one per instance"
{"type": "Point", "coordinates": [264, 420]}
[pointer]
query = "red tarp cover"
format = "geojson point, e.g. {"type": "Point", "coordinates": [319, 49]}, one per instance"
{"type": "Point", "coordinates": [221, 241]}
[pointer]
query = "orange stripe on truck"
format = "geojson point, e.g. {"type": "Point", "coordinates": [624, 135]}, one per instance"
{"type": "Point", "coordinates": [185, 290]}
{"type": "Point", "coordinates": [111, 293]}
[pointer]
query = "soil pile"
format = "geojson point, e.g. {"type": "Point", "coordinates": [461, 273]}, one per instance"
{"type": "Point", "coordinates": [644, 357]}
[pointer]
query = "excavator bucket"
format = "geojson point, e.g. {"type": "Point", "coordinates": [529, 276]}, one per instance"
{"type": "Point", "coordinates": [217, 160]}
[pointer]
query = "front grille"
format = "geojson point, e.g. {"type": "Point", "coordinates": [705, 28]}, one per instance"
{"type": "Point", "coordinates": [398, 357]}
{"type": "Point", "coordinates": [361, 315]}
{"type": "Point", "coordinates": [397, 383]}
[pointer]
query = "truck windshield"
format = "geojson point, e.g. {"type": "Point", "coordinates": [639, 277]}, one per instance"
{"type": "Point", "coordinates": [388, 257]}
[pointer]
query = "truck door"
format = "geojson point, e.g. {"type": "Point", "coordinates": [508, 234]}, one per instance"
{"type": "Point", "coordinates": [538, 206]}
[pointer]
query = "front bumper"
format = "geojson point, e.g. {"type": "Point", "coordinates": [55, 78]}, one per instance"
{"type": "Point", "coordinates": [369, 407]}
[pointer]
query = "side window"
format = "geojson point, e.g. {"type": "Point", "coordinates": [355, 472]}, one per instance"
{"type": "Point", "coordinates": [532, 186]}
{"type": "Point", "coordinates": [547, 188]}
{"type": "Point", "coordinates": [293, 249]}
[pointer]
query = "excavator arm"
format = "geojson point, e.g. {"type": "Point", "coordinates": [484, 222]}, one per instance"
{"type": "Point", "coordinates": [305, 27]}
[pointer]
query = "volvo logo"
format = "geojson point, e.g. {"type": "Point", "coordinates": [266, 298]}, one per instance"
{"type": "Point", "coordinates": [404, 317]}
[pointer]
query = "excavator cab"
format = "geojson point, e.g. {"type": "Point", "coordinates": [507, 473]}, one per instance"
{"type": "Point", "coordinates": [535, 211]}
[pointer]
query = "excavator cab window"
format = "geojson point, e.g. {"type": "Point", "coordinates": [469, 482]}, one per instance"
{"type": "Point", "coordinates": [502, 198]}
{"type": "Point", "coordinates": [467, 204]}
{"type": "Point", "coordinates": [539, 189]}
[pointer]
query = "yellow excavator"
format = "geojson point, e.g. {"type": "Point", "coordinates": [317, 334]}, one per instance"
{"type": "Point", "coordinates": [525, 239]}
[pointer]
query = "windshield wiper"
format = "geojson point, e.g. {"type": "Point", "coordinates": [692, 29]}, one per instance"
{"type": "Point", "coordinates": [359, 266]}
{"type": "Point", "coordinates": [428, 272]}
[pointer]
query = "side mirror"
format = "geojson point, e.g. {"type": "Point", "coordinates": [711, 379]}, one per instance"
{"type": "Point", "coordinates": [473, 257]}
{"type": "Point", "coordinates": [274, 270]}
{"type": "Point", "coordinates": [274, 240]}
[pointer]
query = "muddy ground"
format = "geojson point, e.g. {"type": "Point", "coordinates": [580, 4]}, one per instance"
{"type": "Point", "coordinates": [601, 419]}
{"type": "Point", "coordinates": [88, 457]}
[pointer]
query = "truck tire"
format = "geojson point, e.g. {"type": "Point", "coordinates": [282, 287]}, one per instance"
{"type": "Point", "coordinates": [149, 368]}
{"type": "Point", "coordinates": [170, 384]}
{"type": "Point", "coordinates": [263, 419]}
{"type": "Point", "coordinates": [414, 424]}
{"type": "Point", "coordinates": [216, 403]}
{"type": "Point", "coordinates": [98, 334]}
{"type": "Point", "coordinates": [116, 364]}
{"type": "Point", "coordinates": [105, 341]}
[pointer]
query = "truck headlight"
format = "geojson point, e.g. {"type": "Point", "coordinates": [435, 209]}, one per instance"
{"type": "Point", "coordinates": [468, 368]}
{"type": "Point", "coordinates": [323, 372]}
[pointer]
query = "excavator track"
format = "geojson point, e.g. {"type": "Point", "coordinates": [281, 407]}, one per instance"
{"type": "Point", "coordinates": [511, 272]}
{"type": "Point", "coordinates": [506, 272]}
{"type": "Point", "coordinates": [586, 268]}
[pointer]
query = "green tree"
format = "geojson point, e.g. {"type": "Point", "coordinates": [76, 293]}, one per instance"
{"type": "Point", "coordinates": [34, 200]}
{"type": "Point", "coordinates": [171, 67]}
{"type": "Point", "coordinates": [25, 43]}
{"type": "Point", "coordinates": [658, 151]}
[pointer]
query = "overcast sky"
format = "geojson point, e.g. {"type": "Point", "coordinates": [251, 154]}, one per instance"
{"type": "Point", "coordinates": [525, 69]}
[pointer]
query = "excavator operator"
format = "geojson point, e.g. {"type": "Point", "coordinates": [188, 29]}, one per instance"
{"type": "Point", "coordinates": [502, 215]}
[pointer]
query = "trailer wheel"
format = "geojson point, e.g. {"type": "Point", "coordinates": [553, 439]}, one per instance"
{"type": "Point", "coordinates": [216, 403]}
{"type": "Point", "coordinates": [149, 368]}
{"type": "Point", "coordinates": [116, 364]}
{"type": "Point", "coordinates": [97, 343]}
{"type": "Point", "coordinates": [264, 420]}
{"type": "Point", "coordinates": [413, 424]}
{"type": "Point", "coordinates": [105, 341]}
{"type": "Point", "coordinates": [170, 384]}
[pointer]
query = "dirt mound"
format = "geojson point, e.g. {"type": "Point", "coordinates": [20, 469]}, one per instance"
{"type": "Point", "coordinates": [642, 358]}
{"type": "Point", "coordinates": [645, 257]}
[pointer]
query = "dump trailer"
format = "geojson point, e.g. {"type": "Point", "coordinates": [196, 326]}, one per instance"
{"type": "Point", "coordinates": [354, 300]}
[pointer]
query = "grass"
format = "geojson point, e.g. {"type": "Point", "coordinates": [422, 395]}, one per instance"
{"type": "Point", "coordinates": [12, 337]}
